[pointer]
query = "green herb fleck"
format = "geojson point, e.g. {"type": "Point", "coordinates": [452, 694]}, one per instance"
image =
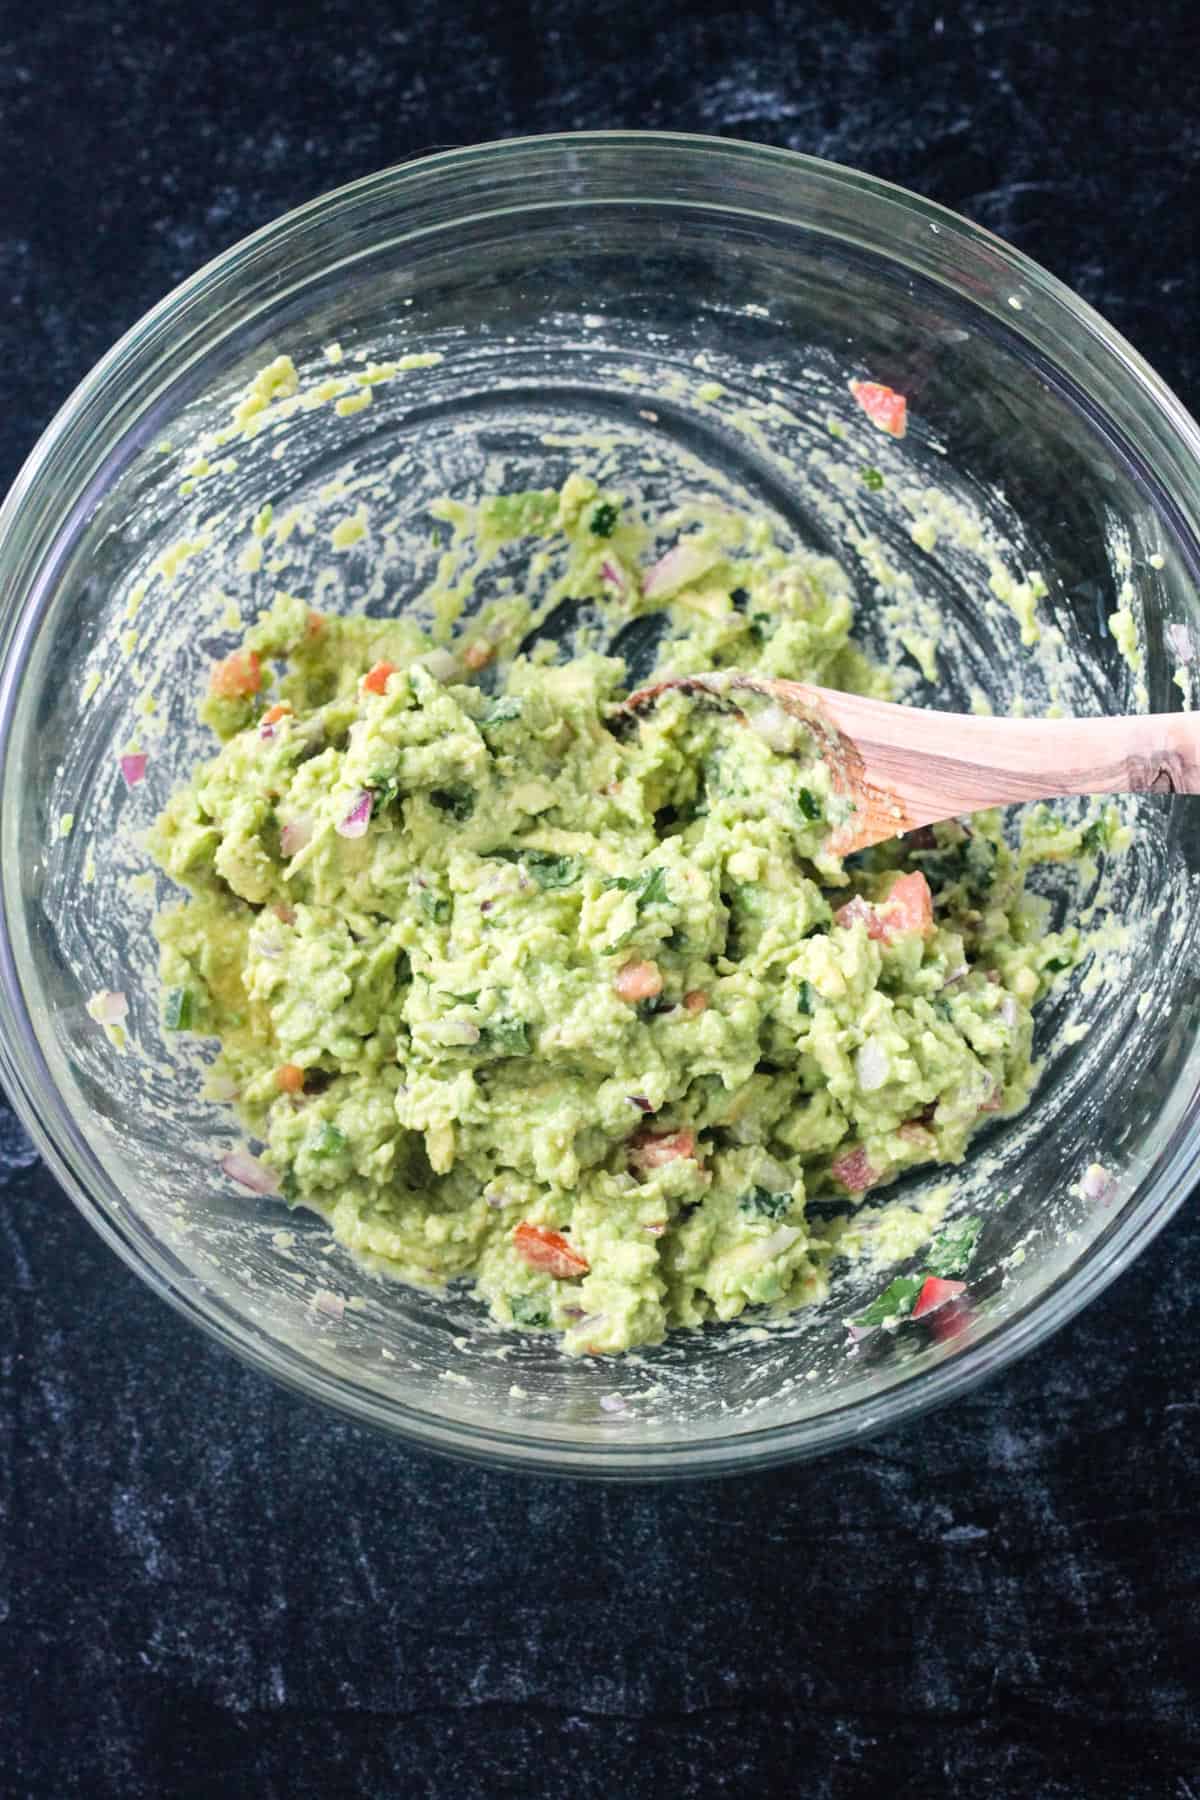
{"type": "Point", "coordinates": [385, 788]}
{"type": "Point", "coordinates": [896, 1301]}
{"type": "Point", "coordinates": [502, 710]}
{"type": "Point", "coordinates": [649, 885]}
{"type": "Point", "coordinates": [649, 1009]}
{"type": "Point", "coordinates": [767, 1205]}
{"type": "Point", "coordinates": [604, 519]}
{"type": "Point", "coordinates": [951, 1251]}
{"type": "Point", "coordinates": [804, 997]}
{"type": "Point", "coordinates": [871, 478]}
{"type": "Point", "coordinates": [527, 1309]}
{"type": "Point", "coordinates": [810, 806]}
{"type": "Point", "coordinates": [329, 1141]}
{"type": "Point", "coordinates": [1095, 838]}
{"type": "Point", "coordinates": [508, 1037]}
{"type": "Point", "coordinates": [463, 999]}
{"type": "Point", "coordinates": [458, 802]}
{"type": "Point", "coordinates": [436, 907]}
{"type": "Point", "coordinates": [1056, 964]}
{"type": "Point", "coordinates": [761, 627]}
{"type": "Point", "coordinates": [179, 1009]}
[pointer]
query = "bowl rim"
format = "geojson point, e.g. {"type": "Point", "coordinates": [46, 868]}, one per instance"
{"type": "Point", "coordinates": [27, 1077]}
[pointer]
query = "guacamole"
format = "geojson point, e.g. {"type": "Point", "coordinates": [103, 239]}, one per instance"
{"type": "Point", "coordinates": [513, 987]}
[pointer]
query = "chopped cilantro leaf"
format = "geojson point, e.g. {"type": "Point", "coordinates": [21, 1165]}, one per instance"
{"type": "Point", "coordinates": [436, 907]}
{"type": "Point", "coordinates": [178, 1009]}
{"type": "Point", "coordinates": [951, 1251]}
{"type": "Point", "coordinates": [458, 802]}
{"type": "Point", "coordinates": [896, 1301]}
{"type": "Point", "coordinates": [649, 885]}
{"type": "Point", "coordinates": [384, 787]}
{"type": "Point", "coordinates": [761, 627]}
{"type": "Point", "coordinates": [804, 997]}
{"type": "Point", "coordinates": [871, 478]}
{"type": "Point", "coordinates": [510, 1037]}
{"type": "Point", "coordinates": [767, 1205]}
{"type": "Point", "coordinates": [649, 1009]}
{"type": "Point", "coordinates": [1095, 838]}
{"type": "Point", "coordinates": [1056, 964]}
{"type": "Point", "coordinates": [328, 1141]}
{"type": "Point", "coordinates": [604, 519]}
{"type": "Point", "coordinates": [463, 999]}
{"type": "Point", "coordinates": [548, 870]}
{"type": "Point", "coordinates": [527, 1309]}
{"type": "Point", "coordinates": [810, 806]}
{"type": "Point", "coordinates": [502, 710]}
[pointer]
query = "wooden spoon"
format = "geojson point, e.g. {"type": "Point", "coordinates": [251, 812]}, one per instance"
{"type": "Point", "coordinates": [901, 767]}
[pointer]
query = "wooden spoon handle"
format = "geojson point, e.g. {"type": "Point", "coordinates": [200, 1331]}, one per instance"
{"type": "Point", "coordinates": [936, 765]}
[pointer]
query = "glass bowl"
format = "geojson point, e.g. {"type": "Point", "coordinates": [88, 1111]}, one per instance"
{"type": "Point", "coordinates": [689, 313]}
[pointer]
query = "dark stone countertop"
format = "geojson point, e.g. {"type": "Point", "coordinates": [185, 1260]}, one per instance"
{"type": "Point", "coordinates": [208, 1587]}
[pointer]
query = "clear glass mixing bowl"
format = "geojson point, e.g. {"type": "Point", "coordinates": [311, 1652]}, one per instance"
{"type": "Point", "coordinates": [690, 310]}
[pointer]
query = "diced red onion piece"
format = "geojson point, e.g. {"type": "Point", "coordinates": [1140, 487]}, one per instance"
{"type": "Point", "coordinates": [773, 1176]}
{"type": "Point", "coordinates": [956, 975]}
{"type": "Point", "coordinates": [872, 1066]}
{"type": "Point", "coordinates": [295, 836]}
{"type": "Point", "coordinates": [133, 768]}
{"type": "Point", "coordinates": [440, 664]}
{"type": "Point", "coordinates": [610, 572]}
{"type": "Point", "coordinates": [781, 1239]}
{"type": "Point", "coordinates": [1008, 1011]}
{"type": "Point", "coordinates": [640, 1101]}
{"type": "Point", "coordinates": [680, 566]}
{"type": "Point", "coordinates": [655, 1230]}
{"type": "Point", "coordinates": [612, 1403]}
{"type": "Point", "coordinates": [1180, 639]}
{"type": "Point", "coordinates": [590, 1321]}
{"type": "Point", "coordinates": [355, 823]}
{"type": "Point", "coordinates": [108, 1009]}
{"type": "Point", "coordinates": [332, 1305]}
{"type": "Point", "coordinates": [248, 1172]}
{"type": "Point", "coordinates": [1096, 1182]}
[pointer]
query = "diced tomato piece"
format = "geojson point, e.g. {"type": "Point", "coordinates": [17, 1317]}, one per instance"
{"type": "Point", "coordinates": [289, 1079]}
{"type": "Point", "coordinates": [274, 713]}
{"type": "Point", "coordinates": [856, 909]}
{"type": "Point", "coordinates": [936, 1292]}
{"type": "Point", "coordinates": [316, 624]}
{"type": "Point", "coordinates": [883, 406]}
{"type": "Point", "coordinates": [908, 907]}
{"type": "Point", "coordinates": [239, 676]}
{"type": "Point", "coordinates": [638, 981]}
{"type": "Point", "coordinates": [549, 1251]}
{"type": "Point", "coordinates": [696, 1001]}
{"type": "Point", "coordinates": [651, 1149]}
{"type": "Point", "coordinates": [284, 913]}
{"type": "Point", "coordinates": [854, 1171]}
{"type": "Point", "coordinates": [376, 680]}
{"type": "Point", "coordinates": [951, 1320]}
{"type": "Point", "coordinates": [478, 655]}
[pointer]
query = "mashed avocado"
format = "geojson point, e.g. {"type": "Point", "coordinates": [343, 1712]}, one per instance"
{"type": "Point", "coordinates": [517, 989]}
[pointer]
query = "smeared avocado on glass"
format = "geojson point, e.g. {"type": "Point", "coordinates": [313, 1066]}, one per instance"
{"type": "Point", "coordinates": [514, 988]}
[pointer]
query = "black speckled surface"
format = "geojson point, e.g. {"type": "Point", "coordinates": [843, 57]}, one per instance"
{"type": "Point", "coordinates": [207, 1587]}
